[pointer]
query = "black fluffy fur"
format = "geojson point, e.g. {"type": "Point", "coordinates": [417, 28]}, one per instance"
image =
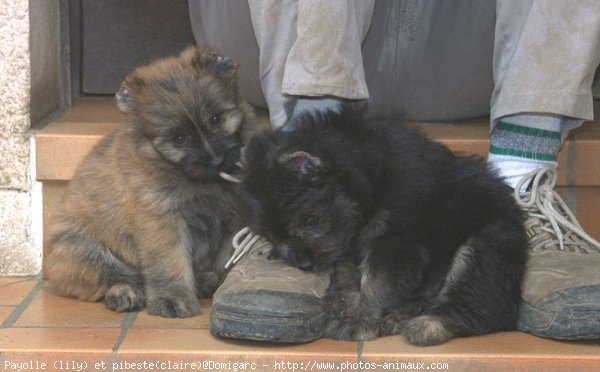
{"type": "Point", "coordinates": [423, 242]}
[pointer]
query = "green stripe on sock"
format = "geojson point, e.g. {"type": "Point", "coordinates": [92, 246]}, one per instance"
{"type": "Point", "coordinates": [521, 153]}
{"type": "Point", "coordinates": [528, 131]}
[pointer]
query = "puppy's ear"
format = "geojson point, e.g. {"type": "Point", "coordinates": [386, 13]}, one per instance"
{"type": "Point", "coordinates": [212, 61]}
{"type": "Point", "coordinates": [126, 93]}
{"type": "Point", "coordinates": [302, 164]}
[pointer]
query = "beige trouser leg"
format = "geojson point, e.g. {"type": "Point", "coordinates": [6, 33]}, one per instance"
{"type": "Point", "coordinates": [424, 60]}
{"type": "Point", "coordinates": [310, 48]}
{"type": "Point", "coordinates": [545, 55]}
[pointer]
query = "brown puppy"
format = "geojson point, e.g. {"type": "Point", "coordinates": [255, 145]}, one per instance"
{"type": "Point", "coordinates": [147, 220]}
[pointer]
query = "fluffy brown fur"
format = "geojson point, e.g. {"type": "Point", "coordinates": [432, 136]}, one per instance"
{"type": "Point", "coordinates": [147, 220]}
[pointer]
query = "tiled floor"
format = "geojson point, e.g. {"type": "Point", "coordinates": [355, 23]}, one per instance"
{"type": "Point", "coordinates": [41, 331]}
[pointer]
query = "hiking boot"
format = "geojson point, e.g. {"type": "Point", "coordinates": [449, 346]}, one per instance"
{"type": "Point", "coordinates": [561, 287]}
{"type": "Point", "coordinates": [266, 300]}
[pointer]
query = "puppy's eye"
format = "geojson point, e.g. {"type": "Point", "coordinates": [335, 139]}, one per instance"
{"type": "Point", "coordinates": [216, 119]}
{"type": "Point", "coordinates": [179, 141]}
{"type": "Point", "coordinates": [309, 221]}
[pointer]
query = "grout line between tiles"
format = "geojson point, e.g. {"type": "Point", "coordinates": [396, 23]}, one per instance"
{"type": "Point", "coordinates": [360, 344]}
{"type": "Point", "coordinates": [20, 309]}
{"type": "Point", "coordinates": [126, 325]}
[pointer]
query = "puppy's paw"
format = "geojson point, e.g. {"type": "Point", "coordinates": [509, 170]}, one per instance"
{"type": "Point", "coordinates": [346, 329]}
{"type": "Point", "coordinates": [174, 307]}
{"type": "Point", "coordinates": [125, 297]}
{"type": "Point", "coordinates": [393, 323]}
{"type": "Point", "coordinates": [426, 330]}
{"type": "Point", "coordinates": [395, 319]}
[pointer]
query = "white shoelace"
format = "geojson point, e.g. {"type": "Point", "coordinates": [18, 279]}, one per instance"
{"type": "Point", "coordinates": [229, 177]}
{"type": "Point", "coordinates": [551, 206]}
{"type": "Point", "coordinates": [242, 242]}
{"type": "Point", "coordinates": [244, 239]}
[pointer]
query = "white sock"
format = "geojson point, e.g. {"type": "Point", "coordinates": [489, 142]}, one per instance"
{"type": "Point", "coordinates": [513, 169]}
{"type": "Point", "coordinates": [520, 144]}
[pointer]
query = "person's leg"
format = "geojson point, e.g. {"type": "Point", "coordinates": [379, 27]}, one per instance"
{"type": "Point", "coordinates": [274, 24]}
{"type": "Point", "coordinates": [263, 299]}
{"type": "Point", "coordinates": [545, 55]}
{"type": "Point", "coordinates": [310, 53]}
{"type": "Point", "coordinates": [544, 60]}
{"type": "Point", "coordinates": [326, 59]}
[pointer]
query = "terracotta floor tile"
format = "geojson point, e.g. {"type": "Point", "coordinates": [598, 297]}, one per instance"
{"type": "Point", "coordinates": [59, 348]}
{"type": "Point", "coordinates": [49, 310]}
{"type": "Point", "coordinates": [202, 321]}
{"type": "Point", "coordinates": [198, 345]}
{"type": "Point", "coordinates": [502, 351]}
{"type": "Point", "coordinates": [58, 339]}
{"type": "Point", "coordinates": [13, 290]}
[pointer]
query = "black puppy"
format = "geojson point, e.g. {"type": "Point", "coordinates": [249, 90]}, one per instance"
{"type": "Point", "coordinates": [423, 243]}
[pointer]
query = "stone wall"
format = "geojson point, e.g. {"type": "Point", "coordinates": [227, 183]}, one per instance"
{"type": "Point", "coordinates": [20, 251]}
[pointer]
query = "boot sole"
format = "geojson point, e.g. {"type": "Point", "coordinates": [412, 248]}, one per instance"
{"type": "Point", "coordinates": [569, 314]}
{"type": "Point", "coordinates": [264, 315]}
